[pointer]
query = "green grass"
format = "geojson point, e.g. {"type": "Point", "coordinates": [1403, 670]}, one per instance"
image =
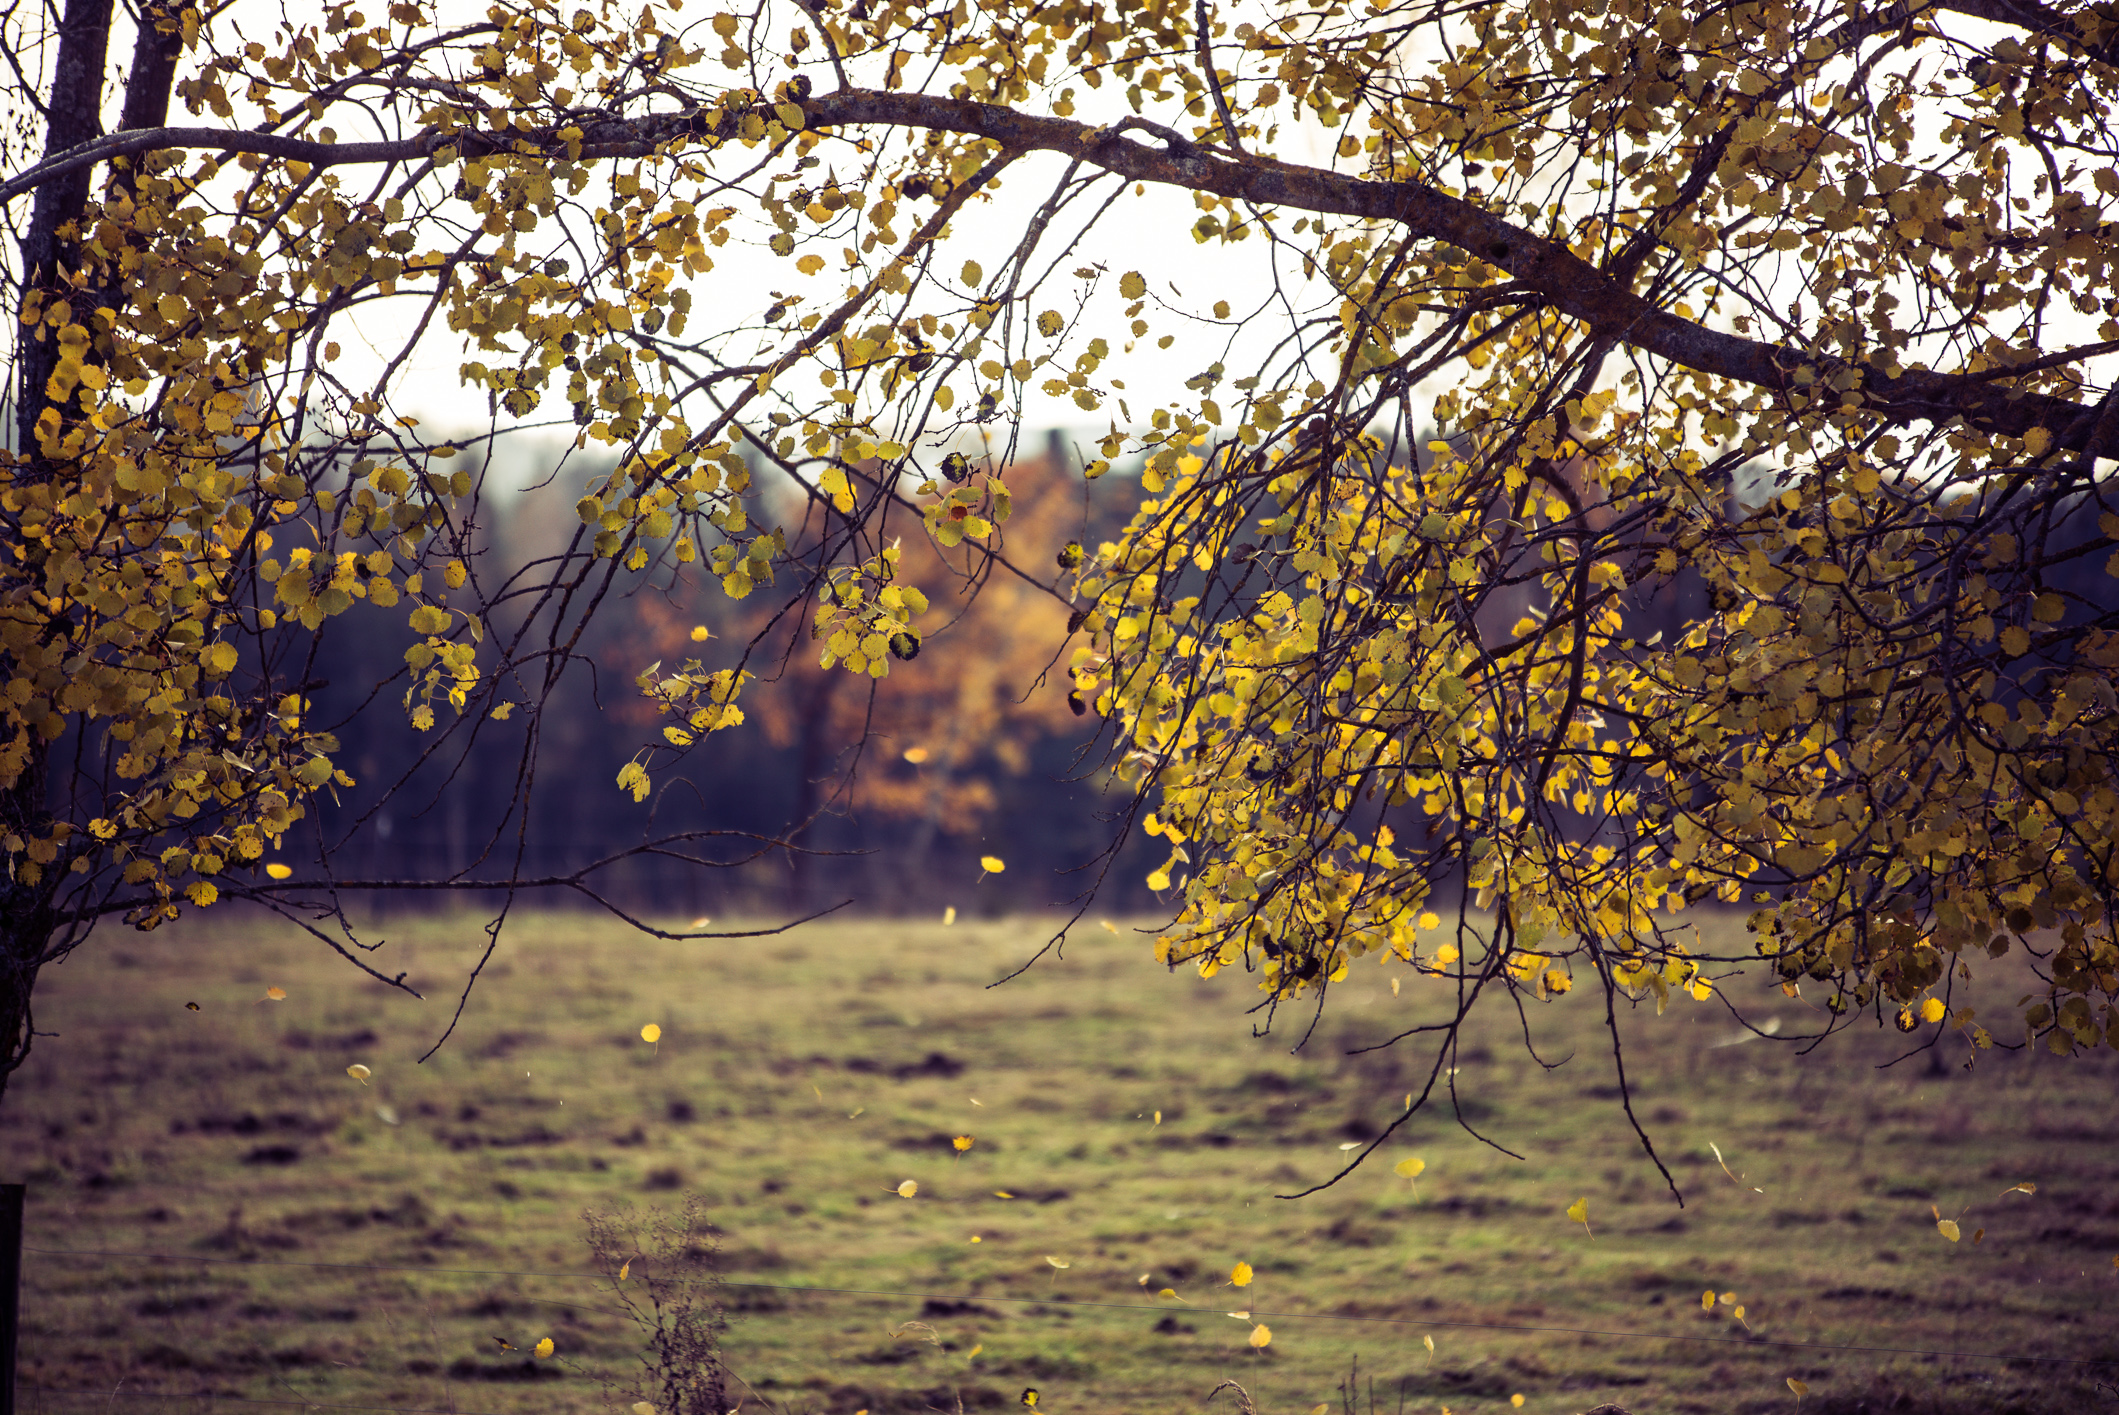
{"type": "Point", "coordinates": [799, 1079]}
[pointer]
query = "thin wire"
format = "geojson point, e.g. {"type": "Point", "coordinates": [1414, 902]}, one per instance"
{"type": "Point", "coordinates": [211, 1398]}
{"type": "Point", "coordinates": [1124, 1307]}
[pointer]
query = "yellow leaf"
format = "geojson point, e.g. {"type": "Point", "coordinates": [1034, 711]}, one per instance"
{"type": "Point", "coordinates": [1932, 1010]}
{"type": "Point", "coordinates": [700, 633]}
{"type": "Point", "coordinates": [1002, 1194]}
{"type": "Point", "coordinates": [1579, 1212]}
{"type": "Point", "coordinates": [651, 1033]}
{"type": "Point", "coordinates": [1429, 1343]}
{"type": "Point", "coordinates": [1029, 1397]}
{"type": "Point", "coordinates": [972, 1354]}
{"type": "Point", "coordinates": [1240, 1275]}
{"type": "Point", "coordinates": [1798, 1387]}
{"type": "Point", "coordinates": [1171, 1293]}
{"type": "Point", "coordinates": [1516, 1400]}
{"type": "Point", "coordinates": [275, 994]}
{"type": "Point", "coordinates": [1947, 1227]}
{"type": "Point", "coordinates": [1707, 1300]}
{"type": "Point", "coordinates": [962, 1143]}
{"type": "Point", "coordinates": [641, 1407]}
{"type": "Point", "coordinates": [907, 1189]}
{"type": "Point", "coordinates": [916, 755]}
{"type": "Point", "coordinates": [1058, 1262]}
{"type": "Point", "coordinates": [992, 864]}
{"type": "Point", "coordinates": [1261, 1336]}
{"type": "Point", "coordinates": [544, 1348]}
{"type": "Point", "coordinates": [949, 916]}
{"type": "Point", "coordinates": [624, 1269]}
{"type": "Point", "coordinates": [2027, 1187]}
{"type": "Point", "coordinates": [359, 1073]}
{"type": "Point", "coordinates": [1409, 1168]}
{"type": "Point", "coordinates": [1108, 926]}
{"type": "Point", "coordinates": [276, 870]}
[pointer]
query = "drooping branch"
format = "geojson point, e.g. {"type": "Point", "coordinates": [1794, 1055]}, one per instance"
{"type": "Point", "coordinates": [1542, 268]}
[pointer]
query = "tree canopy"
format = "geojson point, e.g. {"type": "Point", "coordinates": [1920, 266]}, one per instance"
{"type": "Point", "coordinates": [1784, 328]}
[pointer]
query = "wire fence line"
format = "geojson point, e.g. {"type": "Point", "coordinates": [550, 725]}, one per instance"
{"type": "Point", "coordinates": [1751, 1343]}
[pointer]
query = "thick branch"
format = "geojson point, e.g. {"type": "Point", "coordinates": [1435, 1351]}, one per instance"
{"type": "Point", "coordinates": [1569, 284]}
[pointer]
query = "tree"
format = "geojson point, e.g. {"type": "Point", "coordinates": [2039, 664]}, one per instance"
{"type": "Point", "coordinates": [1554, 307]}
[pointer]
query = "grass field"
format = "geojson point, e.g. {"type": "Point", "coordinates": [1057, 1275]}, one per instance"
{"type": "Point", "coordinates": [798, 1080]}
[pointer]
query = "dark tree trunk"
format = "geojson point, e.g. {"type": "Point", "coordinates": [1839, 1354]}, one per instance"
{"type": "Point", "coordinates": [31, 930]}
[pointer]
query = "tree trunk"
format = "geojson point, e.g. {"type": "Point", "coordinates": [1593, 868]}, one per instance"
{"type": "Point", "coordinates": [30, 924]}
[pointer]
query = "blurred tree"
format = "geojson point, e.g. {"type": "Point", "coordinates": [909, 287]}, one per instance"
{"type": "Point", "coordinates": [1848, 269]}
{"type": "Point", "coordinates": [929, 746]}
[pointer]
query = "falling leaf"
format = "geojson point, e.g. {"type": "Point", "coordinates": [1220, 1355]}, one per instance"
{"type": "Point", "coordinates": [908, 1189]}
{"type": "Point", "coordinates": [972, 1354]}
{"type": "Point", "coordinates": [191, 1007]}
{"type": "Point", "coordinates": [359, 1073]}
{"type": "Point", "coordinates": [916, 755]}
{"type": "Point", "coordinates": [1799, 1388]}
{"type": "Point", "coordinates": [857, 1112]}
{"type": "Point", "coordinates": [1707, 1300]}
{"type": "Point", "coordinates": [977, 1102]}
{"type": "Point", "coordinates": [702, 921]}
{"type": "Point", "coordinates": [1409, 1168]}
{"type": "Point", "coordinates": [1158, 1118]}
{"type": "Point", "coordinates": [962, 1143]}
{"type": "Point", "coordinates": [1261, 1336]}
{"type": "Point", "coordinates": [1947, 1227]}
{"type": "Point", "coordinates": [1240, 1275]}
{"type": "Point", "coordinates": [276, 870]}
{"type": "Point", "coordinates": [1029, 1397]}
{"type": "Point", "coordinates": [1108, 926]}
{"type": "Point", "coordinates": [1349, 1145]}
{"type": "Point", "coordinates": [387, 1114]}
{"type": "Point", "coordinates": [700, 633]}
{"type": "Point", "coordinates": [976, 1239]}
{"type": "Point", "coordinates": [651, 1033]}
{"type": "Point", "coordinates": [1429, 1343]}
{"type": "Point", "coordinates": [1579, 1212]}
{"type": "Point", "coordinates": [949, 915]}
{"type": "Point", "coordinates": [1057, 1262]}
{"type": "Point", "coordinates": [2027, 1187]}
{"type": "Point", "coordinates": [1243, 1316]}
{"type": "Point", "coordinates": [275, 994]}
{"type": "Point", "coordinates": [992, 864]}
{"type": "Point", "coordinates": [544, 1348]}
{"type": "Point", "coordinates": [1977, 1234]}
{"type": "Point", "coordinates": [1728, 1299]}
{"type": "Point", "coordinates": [1516, 1400]}
{"type": "Point", "coordinates": [1394, 987]}
{"type": "Point", "coordinates": [1002, 1194]}
{"type": "Point", "coordinates": [624, 1269]}
{"type": "Point", "coordinates": [1739, 1315]}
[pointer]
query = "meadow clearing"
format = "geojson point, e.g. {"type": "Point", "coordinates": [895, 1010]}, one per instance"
{"type": "Point", "coordinates": [1137, 1128]}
